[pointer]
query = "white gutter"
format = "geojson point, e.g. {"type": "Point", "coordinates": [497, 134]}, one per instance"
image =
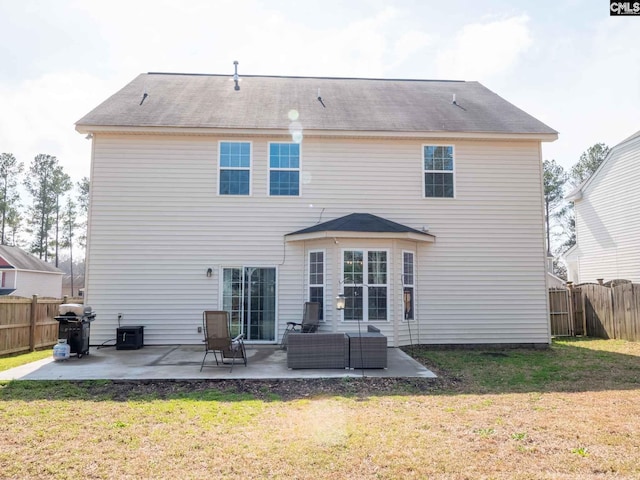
{"type": "Point", "coordinates": [37, 271]}
{"type": "Point", "coordinates": [418, 237]}
{"type": "Point", "coordinates": [86, 129]}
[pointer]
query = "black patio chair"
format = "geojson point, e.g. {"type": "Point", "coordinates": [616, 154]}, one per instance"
{"type": "Point", "coordinates": [309, 323]}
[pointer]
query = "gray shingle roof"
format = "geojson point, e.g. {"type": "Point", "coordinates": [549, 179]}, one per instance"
{"type": "Point", "coordinates": [360, 222]}
{"type": "Point", "coordinates": [263, 102]}
{"type": "Point", "coordinates": [22, 260]}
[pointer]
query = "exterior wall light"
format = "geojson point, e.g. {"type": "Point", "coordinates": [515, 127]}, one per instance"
{"type": "Point", "coordinates": [209, 272]}
{"type": "Point", "coordinates": [340, 302]}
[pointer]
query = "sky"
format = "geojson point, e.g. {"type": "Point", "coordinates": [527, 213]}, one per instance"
{"type": "Point", "coordinates": [566, 62]}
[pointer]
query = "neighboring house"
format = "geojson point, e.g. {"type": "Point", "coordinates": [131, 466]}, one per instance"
{"type": "Point", "coordinates": [607, 208]}
{"type": "Point", "coordinates": [78, 285]}
{"type": "Point", "coordinates": [23, 275]}
{"type": "Point", "coordinates": [553, 281]}
{"type": "Point", "coordinates": [420, 201]}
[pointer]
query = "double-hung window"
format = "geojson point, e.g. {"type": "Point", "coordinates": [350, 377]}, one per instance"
{"type": "Point", "coordinates": [284, 169]}
{"type": "Point", "coordinates": [438, 171]}
{"type": "Point", "coordinates": [235, 168]}
{"type": "Point", "coordinates": [365, 285]}
{"type": "Point", "coordinates": [408, 285]}
{"type": "Point", "coordinates": [316, 279]}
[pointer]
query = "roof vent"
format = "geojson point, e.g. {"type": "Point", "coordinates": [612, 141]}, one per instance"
{"type": "Point", "coordinates": [320, 99]}
{"type": "Point", "coordinates": [236, 79]}
{"type": "Point", "coordinates": [455, 102]}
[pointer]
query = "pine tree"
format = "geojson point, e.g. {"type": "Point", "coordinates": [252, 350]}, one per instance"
{"type": "Point", "coordinates": [61, 185]}
{"type": "Point", "coordinates": [40, 184]}
{"type": "Point", "coordinates": [589, 162]}
{"type": "Point", "coordinates": [69, 225]}
{"type": "Point", "coordinates": [10, 168]}
{"type": "Point", "coordinates": [554, 180]}
{"type": "Point", "coordinates": [13, 223]}
{"type": "Point", "coordinates": [83, 207]}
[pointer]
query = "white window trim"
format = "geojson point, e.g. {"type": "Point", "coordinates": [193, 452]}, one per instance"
{"type": "Point", "coordinates": [324, 279]}
{"type": "Point", "coordinates": [220, 142]}
{"type": "Point", "coordinates": [365, 274]}
{"type": "Point", "coordinates": [242, 266]}
{"type": "Point", "coordinates": [412, 285]}
{"type": "Point", "coordinates": [453, 172]}
{"type": "Point", "coordinates": [299, 170]}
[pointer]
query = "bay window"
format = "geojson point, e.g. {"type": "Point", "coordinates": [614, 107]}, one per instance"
{"type": "Point", "coordinates": [408, 285]}
{"type": "Point", "coordinates": [365, 284]}
{"type": "Point", "coordinates": [316, 279]}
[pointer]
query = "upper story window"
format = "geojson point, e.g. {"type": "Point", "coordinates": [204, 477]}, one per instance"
{"type": "Point", "coordinates": [284, 169]}
{"type": "Point", "coordinates": [438, 171]}
{"type": "Point", "coordinates": [235, 168]}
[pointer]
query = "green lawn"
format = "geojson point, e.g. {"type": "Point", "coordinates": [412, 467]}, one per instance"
{"type": "Point", "coordinates": [573, 364]}
{"type": "Point", "coordinates": [13, 361]}
{"type": "Point", "coordinates": [571, 411]}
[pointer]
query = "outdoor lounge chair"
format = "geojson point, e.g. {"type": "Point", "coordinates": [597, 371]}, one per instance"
{"type": "Point", "coordinates": [218, 339]}
{"type": "Point", "coordinates": [309, 324]}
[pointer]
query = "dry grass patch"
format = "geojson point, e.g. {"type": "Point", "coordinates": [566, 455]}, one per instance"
{"type": "Point", "coordinates": [541, 425]}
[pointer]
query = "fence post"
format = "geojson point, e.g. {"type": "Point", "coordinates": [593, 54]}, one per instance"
{"type": "Point", "coordinates": [572, 313]}
{"type": "Point", "coordinates": [32, 323]}
{"type": "Point", "coordinates": [571, 320]}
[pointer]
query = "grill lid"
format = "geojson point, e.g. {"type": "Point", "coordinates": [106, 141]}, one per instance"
{"type": "Point", "coordinates": [76, 309]}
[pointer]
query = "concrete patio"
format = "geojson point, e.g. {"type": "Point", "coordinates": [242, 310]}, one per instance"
{"type": "Point", "coordinates": [173, 362]}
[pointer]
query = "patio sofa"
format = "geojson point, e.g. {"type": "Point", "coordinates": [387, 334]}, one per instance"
{"type": "Point", "coordinates": [337, 350]}
{"type": "Point", "coordinates": [317, 350]}
{"type": "Point", "coordinates": [367, 349]}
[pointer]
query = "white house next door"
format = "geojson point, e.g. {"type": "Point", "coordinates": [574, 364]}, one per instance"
{"type": "Point", "coordinates": [249, 295]}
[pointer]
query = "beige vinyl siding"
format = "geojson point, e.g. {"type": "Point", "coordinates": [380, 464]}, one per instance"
{"type": "Point", "coordinates": [43, 284]}
{"type": "Point", "coordinates": [158, 223]}
{"type": "Point", "coordinates": [608, 219]}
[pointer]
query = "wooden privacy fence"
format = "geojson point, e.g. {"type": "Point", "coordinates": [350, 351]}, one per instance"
{"type": "Point", "coordinates": [596, 311]}
{"type": "Point", "coordinates": [27, 324]}
{"type": "Point", "coordinates": [560, 312]}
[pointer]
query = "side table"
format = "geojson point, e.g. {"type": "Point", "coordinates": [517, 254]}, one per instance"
{"type": "Point", "coordinates": [367, 350]}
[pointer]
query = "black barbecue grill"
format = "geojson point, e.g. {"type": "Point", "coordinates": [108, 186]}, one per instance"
{"type": "Point", "coordinates": [74, 325]}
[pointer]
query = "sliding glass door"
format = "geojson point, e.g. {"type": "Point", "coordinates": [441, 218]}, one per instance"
{"type": "Point", "coordinates": [249, 295]}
